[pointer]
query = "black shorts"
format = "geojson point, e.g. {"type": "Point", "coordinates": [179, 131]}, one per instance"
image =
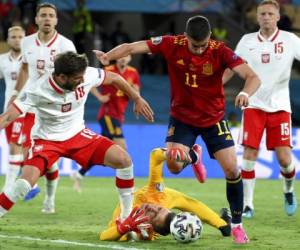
{"type": "Point", "coordinates": [111, 127]}
{"type": "Point", "coordinates": [216, 137]}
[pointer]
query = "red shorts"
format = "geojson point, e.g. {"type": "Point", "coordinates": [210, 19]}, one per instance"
{"type": "Point", "coordinates": [26, 131]}
{"type": "Point", "coordinates": [277, 125]}
{"type": "Point", "coordinates": [14, 131]}
{"type": "Point", "coordinates": [86, 148]}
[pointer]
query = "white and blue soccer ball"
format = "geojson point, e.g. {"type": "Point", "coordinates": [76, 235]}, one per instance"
{"type": "Point", "coordinates": [186, 227]}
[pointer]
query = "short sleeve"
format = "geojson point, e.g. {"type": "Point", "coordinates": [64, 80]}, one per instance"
{"type": "Point", "coordinates": [94, 76]}
{"type": "Point", "coordinates": [230, 59]}
{"type": "Point", "coordinates": [160, 44]}
{"type": "Point", "coordinates": [25, 101]}
{"type": "Point", "coordinates": [296, 45]}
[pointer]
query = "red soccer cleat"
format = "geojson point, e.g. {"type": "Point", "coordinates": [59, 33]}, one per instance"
{"type": "Point", "coordinates": [198, 166]}
{"type": "Point", "coordinates": [239, 235]}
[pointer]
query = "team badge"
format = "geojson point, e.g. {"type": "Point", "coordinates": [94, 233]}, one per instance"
{"type": "Point", "coordinates": [207, 69]}
{"type": "Point", "coordinates": [159, 187]}
{"type": "Point", "coordinates": [156, 40]}
{"type": "Point", "coordinates": [66, 107]}
{"type": "Point", "coordinates": [40, 64]}
{"type": "Point", "coordinates": [13, 76]}
{"type": "Point", "coordinates": [265, 58]}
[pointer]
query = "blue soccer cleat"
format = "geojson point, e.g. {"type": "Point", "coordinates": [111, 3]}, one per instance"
{"type": "Point", "coordinates": [290, 203]}
{"type": "Point", "coordinates": [32, 193]}
{"type": "Point", "coordinates": [248, 212]}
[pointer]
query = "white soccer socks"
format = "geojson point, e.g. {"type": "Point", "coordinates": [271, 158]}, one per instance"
{"type": "Point", "coordinates": [125, 185]}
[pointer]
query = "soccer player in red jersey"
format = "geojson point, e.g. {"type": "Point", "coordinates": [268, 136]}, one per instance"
{"type": "Point", "coordinates": [196, 64]}
{"type": "Point", "coordinates": [111, 114]}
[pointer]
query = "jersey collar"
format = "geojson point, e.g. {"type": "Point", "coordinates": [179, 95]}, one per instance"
{"type": "Point", "coordinates": [48, 44]}
{"type": "Point", "coordinates": [55, 86]}
{"type": "Point", "coordinates": [10, 57]}
{"type": "Point", "coordinates": [270, 39]}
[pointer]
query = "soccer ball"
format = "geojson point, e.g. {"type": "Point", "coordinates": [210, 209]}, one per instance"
{"type": "Point", "coordinates": [186, 227]}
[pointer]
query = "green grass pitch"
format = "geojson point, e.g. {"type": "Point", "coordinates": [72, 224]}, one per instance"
{"type": "Point", "coordinates": [80, 217]}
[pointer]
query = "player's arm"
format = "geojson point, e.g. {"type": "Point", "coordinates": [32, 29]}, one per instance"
{"type": "Point", "coordinates": [21, 80]}
{"type": "Point", "coordinates": [122, 50]}
{"type": "Point", "coordinates": [140, 105]}
{"type": "Point", "coordinates": [252, 83]}
{"type": "Point", "coordinates": [101, 98]}
{"type": "Point", "coordinates": [227, 75]}
{"type": "Point", "coordinates": [11, 114]}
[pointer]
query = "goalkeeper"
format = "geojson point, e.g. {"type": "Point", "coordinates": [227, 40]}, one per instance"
{"type": "Point", "coordinates": [152, 208]}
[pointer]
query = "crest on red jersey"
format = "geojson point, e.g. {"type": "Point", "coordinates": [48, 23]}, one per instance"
{"type": "Point", "coordinates": [66, 107]}
{"type": "Point", "coordinates": [40, 64]}
{"type": "Point", "coordinates": [265, 58]}
{"type": "Point", "coordinates": [207, 69]}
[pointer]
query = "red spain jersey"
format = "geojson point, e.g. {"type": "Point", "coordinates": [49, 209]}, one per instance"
{"type": "Point", "coordinates": [118, 102]}
{"type": "Point", "coordinates": [197, 94]}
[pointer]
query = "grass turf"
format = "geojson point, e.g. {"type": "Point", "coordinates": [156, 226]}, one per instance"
{"type": "Point", "coordinates": [80, 217]}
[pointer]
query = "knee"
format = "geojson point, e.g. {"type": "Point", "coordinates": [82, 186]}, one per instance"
{"type": "Point", "coordinates": [232, 172]}
{"type": "Point", "coordinates": [284, 162]}
{"type": "Point", "coordinates": [123, 160]}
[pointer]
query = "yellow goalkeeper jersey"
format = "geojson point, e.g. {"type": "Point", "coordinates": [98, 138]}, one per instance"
{"type": "Point", "coordinates": [155, 193]}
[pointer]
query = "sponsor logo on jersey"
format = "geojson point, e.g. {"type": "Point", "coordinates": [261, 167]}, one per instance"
{"type": "Point", "coordinates": [265, 58]}
{"type": "Point", "coordinates": [160, 187]}
{"type": "Point", "coordinates": [66, 107]}
{"type": "Point", "coordinates": [156, 40]}
{"type": "Point", "coordinates": [207, 69]}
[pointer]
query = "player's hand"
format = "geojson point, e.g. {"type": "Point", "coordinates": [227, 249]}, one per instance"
{"type": "Point", "coordinates": [102, 57]}
{"type": "Point", "coordinates": [142, 107]}
{"type": "Point", "coordinates": [242, 100]}
{"type": "Point", "coordinates": [133, 221]}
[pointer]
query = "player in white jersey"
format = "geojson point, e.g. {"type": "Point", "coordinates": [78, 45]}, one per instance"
{"type": "Point", "coordinates": [9, 68]}
{"type": "Point", "coordinates": [38, 53]}
{"type": "Point", "coordinates": [59, 131]}
{"type": "Point", "coordinates": [270, 52]}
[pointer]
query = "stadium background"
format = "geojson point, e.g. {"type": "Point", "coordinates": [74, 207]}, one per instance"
{"type": "Point", "coordinates": [140, 19]}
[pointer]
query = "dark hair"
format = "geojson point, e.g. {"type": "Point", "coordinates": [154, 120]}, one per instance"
{"type": "Point", "coordinates": [165, 229]}
{"type": "Point", "coordinates": [70, 63]}
{"type": "Point", "coordinates": [197, 28]}
{"type": "Point", "coordinates": [46, 5]}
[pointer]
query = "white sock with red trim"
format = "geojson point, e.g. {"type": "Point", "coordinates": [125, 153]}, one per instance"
{"type": "Point", "coordinates": [8, 198]}
{"type": "Point", "coordinates": [51, 183]}
{"type": "Point", "coordinates": [125, 185]}
{"type": "Point", "coordinates": [248, 175]}
{"type": "Point", "coordinates": [288, 173]}
{"type": "Point", "coordinates": [13, 170]}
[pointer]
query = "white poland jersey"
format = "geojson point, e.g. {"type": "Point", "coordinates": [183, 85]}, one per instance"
{"type": "Point", "coordinates": [40, 56]}
{"type": "Point", "coordinates": [9, 69]}
{"type": "Point", "coordinates": [272, 60]}
{"type": "Point", "coordinates": [59, 112]}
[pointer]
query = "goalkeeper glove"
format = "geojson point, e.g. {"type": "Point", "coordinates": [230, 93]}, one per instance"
{"type": "Point", "coordinates": [133, 221]}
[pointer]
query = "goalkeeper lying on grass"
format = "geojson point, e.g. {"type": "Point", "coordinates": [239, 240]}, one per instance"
{"type": "Point", "coordinates": [152, 215]}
